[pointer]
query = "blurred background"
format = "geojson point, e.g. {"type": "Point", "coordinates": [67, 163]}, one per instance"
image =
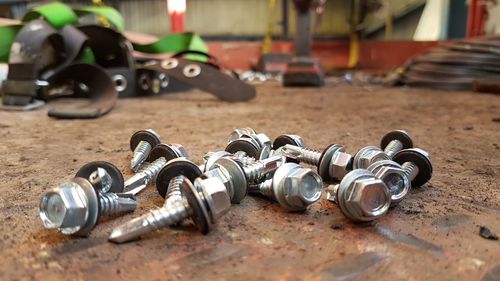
{"type": "Point", "coordinates": [346, 33]}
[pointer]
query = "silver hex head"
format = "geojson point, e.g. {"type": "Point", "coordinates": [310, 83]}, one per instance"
{"type": "Point", "coordinates": [240, 132]}
{"type": "Point", "coordinates": [262, 139]}
{"type": "Point", "coordinates": [70, 207]}
{"type": "Point", "coordinates": [179, 150]}
{"type": "Point", "coordinates": [295, 187]}
{"type": "Point", "coordinates": [363, 197]}
{"type": "Point", "coordinates": [367, 156]}
{"type": "Point", "coordinates": [394, 177]}
{"type": "Point", "coordinates": [232, 176]}
{"type": "Point", "coordinates": [215, 195]}
{"type": "Point", "coordinates": [339, 165]}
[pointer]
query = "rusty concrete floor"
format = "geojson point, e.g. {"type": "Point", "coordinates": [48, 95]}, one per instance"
{"type": "Point", "coordinates": [431, 235]}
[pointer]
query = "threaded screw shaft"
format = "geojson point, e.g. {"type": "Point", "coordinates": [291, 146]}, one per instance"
{"type": "Point", "coordinates": [302, 154]}
{"type": "Point", "coordinates": [174, 193]}
{"type": "Point", "coordinates": [266, 188]}
{"type": "Point", "coordinates": [153, 220]}
{"type": "Point", "coordinates": [393, 147]}
{"type": "Point", "coordinates": [258, 169]}
{"type": "Point", "coordinates": [144, 176]}
{"type": "Point", "coordinates": [112, 204]}
{"type": "Point", "coordinates": [140, 155]}
{"type": "Point", "coordinates": [411, 170]}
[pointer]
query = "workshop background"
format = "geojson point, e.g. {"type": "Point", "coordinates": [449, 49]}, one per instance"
{"type": "Point", "coordinates": [246, 77]}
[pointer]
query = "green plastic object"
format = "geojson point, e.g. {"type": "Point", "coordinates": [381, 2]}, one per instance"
{"type": "Point", "coordinates": [56, 13]}
{"type": "Point", "coordinates": [59, 14]}
{"type": "Point", "coordinates": [7, 34]}
{"type": "Point", "coordinates": [175, 43]}
{"type": "Point", "coordinates": [88, 56]}
{"type": "Point", "coordinates": [112, 15]}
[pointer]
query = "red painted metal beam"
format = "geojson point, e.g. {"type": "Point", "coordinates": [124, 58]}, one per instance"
{"type": "Point", "coordinates": [476, 17]}
{"type": "Point", "coordinates": [332, 54]}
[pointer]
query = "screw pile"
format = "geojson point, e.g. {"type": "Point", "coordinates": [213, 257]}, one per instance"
{"type": "Point", "coordinates": [364, 185]}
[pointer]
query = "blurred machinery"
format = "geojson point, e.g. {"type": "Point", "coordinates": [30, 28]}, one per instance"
{"type": "Point", "coordinates": [303, 70]}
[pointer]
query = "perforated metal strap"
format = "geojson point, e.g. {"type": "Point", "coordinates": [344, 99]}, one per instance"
{"type": "Point", "coordinates": [204, 77]}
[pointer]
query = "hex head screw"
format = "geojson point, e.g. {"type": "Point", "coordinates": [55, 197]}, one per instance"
{"type": "Point", "coordinates": [361, 196]}
{"type": "Point", "coordinates": [416, 164]}
{"type": "Point", "coordinates": [395, 141]}
{"type": "Point", "coordinates": [206, 201]}
{"type": "Point", "coordinates": [245, 144]}
{"type": "Point", "coordinates": [367, 156]}
{"type": "Point", "coordinates": [322, 160]}
{"type": "Point", "coordinates": [293, 187]}
{"type": "Point", "coordinates": [159, 156]}
{"type": "Point", "coordinates": [278, 144]}
{"type": "Point", "coordinates": [74, 207]}
{"type": "Point", "coordinates": [240, 132]}
{"type": "Point", "coordinates": [393, 175]}
{"type": "Point", "coordinates": [237, 177]}
{"type": "Point", "coordinates": [211, 157]}
{"type": "Point", "coordinates": [141, 143]}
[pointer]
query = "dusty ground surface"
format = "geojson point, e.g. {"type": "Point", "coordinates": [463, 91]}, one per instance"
{"type": "Point", "coordinates": [431, 235]}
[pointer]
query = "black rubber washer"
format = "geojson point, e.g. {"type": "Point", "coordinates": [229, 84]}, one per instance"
{"type": "Point", "coordinates": [245, 146]}
{"type": "Point", "coordinates": [199, 218]}
{"type": "Point", "coordinates": [323, 176]}
{"type": "Point", "coordinates": [143, 135]}
{"type": "Point", "coordinates": [162, 150]}
{"type": "Point", "coordinates": [283, 140]}
{"type": "Point", "coordinates": [173, 169]}
{"type": "Point", "coordinates": [419, 159]}
{"type": "Point", "coordinates": [399, 135]}
{"type": "Point", "coordinates": [116, 175]}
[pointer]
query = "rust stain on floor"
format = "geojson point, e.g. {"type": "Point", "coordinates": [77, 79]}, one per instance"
{"type": "Point", "coordinates": [431, 235]}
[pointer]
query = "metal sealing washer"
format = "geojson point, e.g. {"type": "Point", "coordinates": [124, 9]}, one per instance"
{"type": "Point", "coordinates": [169, 63]}
{"type": "Point", "coordinates": [120, 82]}
{"type": "Point", "coordinates": [191, 70]}
{"type": "Point", "coordinates": [144, 82]}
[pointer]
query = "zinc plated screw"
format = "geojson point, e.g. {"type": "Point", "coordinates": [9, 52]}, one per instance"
{"type": "Point", "coordinates": [278, 143]}
{"type": "Point", "coordinates": [367, 156]}
{"type": "Point", "coordinates": [261, 139]}
{"type": "Point", "coordinates": [171, 177]}
{"type": "Point", "coordinates": [361, 196]}
{"type": "Point", "coordinates": [393, 175]}
{"type": "Point", "coordinates": [395, 141]}
{"type": "Point", "coordinates": [292, 186]}
{"type": "Point", "coordinates": [141, 143]}
{"type": "Point", "coordinates": [206, 200]}
{"type": "Point", "coordinates": [74, 207]}
{"type": "Point", "coordinates": [240, 132]}
{"type": "Point", "coordinates": [211, 157]}
{"type": "Point", "coordinates": [322, 160]}
{"type": "Point", "coordinates": [416, 164]}
{"type": "Point", "coordinates": [237, 177]}
{"type": "Point", "coordinates": [159, 156]}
